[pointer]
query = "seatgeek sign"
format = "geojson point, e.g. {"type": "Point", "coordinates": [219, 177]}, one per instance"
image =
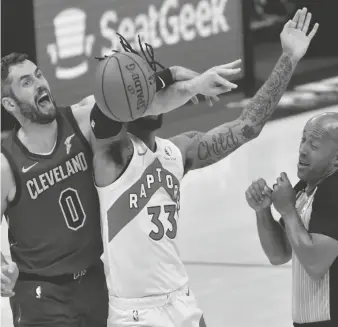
{"type": "Point", "coordinates": [197, 34]}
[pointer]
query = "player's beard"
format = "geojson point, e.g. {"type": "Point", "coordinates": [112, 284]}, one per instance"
{"type": "Point", "coordinates": [33, 112]}
{"type": "Point", "coordinates": [115, 152]}
{"type": "Point", "coordinates": [117, 145]}
{"type": "Point", "coordinates": [119, 151]}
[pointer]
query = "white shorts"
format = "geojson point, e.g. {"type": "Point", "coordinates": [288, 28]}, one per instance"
{"type": "Point", "coordinates": [177, 309]}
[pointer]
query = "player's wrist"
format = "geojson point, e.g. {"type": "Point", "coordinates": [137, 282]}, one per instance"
{"type": "Point", "coordinates": [191, 87]}
{"type": "Point", "coordinates": [288, 212]}
{"type": "Point", "coordinates": [263, 210]}
{"type": "Point", "coordinates": [292, 57]}
{"type": "Point", "coordinates": [164, 78]}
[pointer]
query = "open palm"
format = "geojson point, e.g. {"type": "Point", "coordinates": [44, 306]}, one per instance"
{"type": "Point", "coordinates": [294, 38]}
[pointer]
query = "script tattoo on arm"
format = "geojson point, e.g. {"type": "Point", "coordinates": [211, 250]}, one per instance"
{"type": "Point", "coordinates": [207, 148]}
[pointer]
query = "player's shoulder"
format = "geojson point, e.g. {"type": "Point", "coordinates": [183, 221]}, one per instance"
{"type": "Point", "coordinates": [81, 112]}
{"type": "Point", "coordinates": [82, 109]}
{"type": "Point", "coordinates": [184, 141]}
{"type": "Point", "coordinates": [86, 103]}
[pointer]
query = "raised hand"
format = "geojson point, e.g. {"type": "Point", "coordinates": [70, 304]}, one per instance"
{"type": "Point", "coordinates": [184, 74]}
{"type": "Point", "coordinates": [214, 81]}
{"type": "Point", "coordinates": [258, 195]}
{"type": "Point", "coordinates": [294, 37]}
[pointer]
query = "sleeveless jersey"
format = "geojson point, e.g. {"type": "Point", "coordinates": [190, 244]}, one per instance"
{"type": "Point", "coordinates": [54, 223]}
{"type": "Point", "coordinates": [139, 213]}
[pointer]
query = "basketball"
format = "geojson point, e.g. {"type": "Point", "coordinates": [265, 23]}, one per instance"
{"type": "Point", "coordinates": [124, 86]}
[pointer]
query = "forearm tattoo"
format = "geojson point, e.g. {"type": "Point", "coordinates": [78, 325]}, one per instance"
{"type": "Point", "coordinates": [222, 140]}
{"type": "Point", "coordinates": [213, 148]}
{"type": "Point", "coordinates": [264, 103]}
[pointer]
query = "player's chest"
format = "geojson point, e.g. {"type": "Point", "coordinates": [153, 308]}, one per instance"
{"type": "Point", "coordinates": [156, 182]}
{"type": "Point", "coordinates": [40, 175]}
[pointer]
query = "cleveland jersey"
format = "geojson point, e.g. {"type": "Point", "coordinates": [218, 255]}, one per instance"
{"type": "Point", "coordinates": [54, 223]}
{"type": "Point", "coordinates": [139, 214]}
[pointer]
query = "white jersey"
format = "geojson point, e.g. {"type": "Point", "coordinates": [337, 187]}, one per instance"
{"type": "Point", "coordinates": [139, 214]}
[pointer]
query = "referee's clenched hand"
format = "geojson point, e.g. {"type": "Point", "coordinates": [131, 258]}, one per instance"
{"type": "Point", "coordinates": [9, 276]}
{"type": "Point", "coordinates": [258, 195]}
{"type": "Point", "coordinates": [283, 195]}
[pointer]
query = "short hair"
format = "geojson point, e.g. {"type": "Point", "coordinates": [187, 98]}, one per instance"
{"type": "Point", "coordinates": [7, 62]}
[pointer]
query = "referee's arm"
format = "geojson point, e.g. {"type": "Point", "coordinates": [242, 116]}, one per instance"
{"type": "Point", "coordinates": [273, 238]}
{"type": "Point", "coordinates": [317, 248]}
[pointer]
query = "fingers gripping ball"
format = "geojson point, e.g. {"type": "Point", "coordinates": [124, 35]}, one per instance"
{"type": "Point", "coordinates": [124, 87]}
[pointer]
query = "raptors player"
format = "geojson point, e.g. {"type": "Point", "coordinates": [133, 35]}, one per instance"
{"type": "Point", "coordinates": [138, 178]}
{"type": "Point", "coordinates": [51, 204]}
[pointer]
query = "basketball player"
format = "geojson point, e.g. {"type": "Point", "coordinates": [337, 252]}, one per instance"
{"type": "Point", "coordinates": [51, 204]}
{"type": "Point", "coordinates": [308, 230]}
{"type": "Point", "coordinates": [139, 191]}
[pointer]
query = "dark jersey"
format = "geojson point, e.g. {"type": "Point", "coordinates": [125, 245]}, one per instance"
{"type": "Point", "coordinates": [54, 222]}
{"type": "Point", "coordinates": [319, 299]}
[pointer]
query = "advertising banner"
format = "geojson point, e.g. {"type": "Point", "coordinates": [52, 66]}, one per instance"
{"type": "Point", "coordinates": [197, 34]}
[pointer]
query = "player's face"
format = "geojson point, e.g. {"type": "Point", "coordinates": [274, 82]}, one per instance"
{"type": "Point", "coordinates": [317, 154]}
{"type": "Point", "coordinates": [146, 124]}
{"type": "Point", "coordinates": [31, 92]}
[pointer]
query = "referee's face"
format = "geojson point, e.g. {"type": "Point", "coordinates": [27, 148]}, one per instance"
{"type": "Point", "coordinates": [318, 153]}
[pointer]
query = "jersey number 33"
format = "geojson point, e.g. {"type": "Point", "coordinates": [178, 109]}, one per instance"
{"type": "Point", "coordinates": [155, 213]}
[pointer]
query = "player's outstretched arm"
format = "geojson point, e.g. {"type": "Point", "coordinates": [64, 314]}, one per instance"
{"type": "Point", "coordinates": [187, 84]}
{"type": "Point", "coordinates": [203, 149]}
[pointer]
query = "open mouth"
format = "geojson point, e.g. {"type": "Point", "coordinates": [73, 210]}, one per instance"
{"type": "Point", "coordinates": [303, 163]}
{"type": "Point", "coordinates": [43, 99]}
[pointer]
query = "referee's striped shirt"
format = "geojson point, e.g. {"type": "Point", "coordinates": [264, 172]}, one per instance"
{"type": "Point", "coordinates": [317, 300]}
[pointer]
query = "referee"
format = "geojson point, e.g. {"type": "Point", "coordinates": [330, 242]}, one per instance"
{"type": "Point", "coordinates": [307, 233]}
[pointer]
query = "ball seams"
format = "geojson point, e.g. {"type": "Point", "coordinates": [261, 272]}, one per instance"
{"type": "Point", "coordinates": [125, 88]}
{"type": "Point", "coordinates": [102, 88]}
{"type": "Point", "coordinates": [144, 79]}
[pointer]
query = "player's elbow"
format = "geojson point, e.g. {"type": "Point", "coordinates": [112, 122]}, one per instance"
{"type": "Point", "coordinates": [256, 132]}
{"type": "Point", "coordinates": [279, 260]}
{"type": "Point", "coordinates": [316, 272]}
{"type": "Point", "coordinates": [249, 131]}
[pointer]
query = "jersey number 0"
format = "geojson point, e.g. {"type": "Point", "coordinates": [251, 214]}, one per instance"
{"type": "Point", "coordinates": [72, 209]}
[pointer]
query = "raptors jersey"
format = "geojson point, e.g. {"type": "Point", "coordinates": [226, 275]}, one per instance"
{"type": "Point", "coordinates": [139, 214]}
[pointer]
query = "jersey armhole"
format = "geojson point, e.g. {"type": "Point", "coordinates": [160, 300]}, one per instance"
{"type": "Point", "coordinates": [16, 175]}
{"type": "Point", "coordinates": [68, 113]}
{"type": "Point", "coordinates": [183, 157]}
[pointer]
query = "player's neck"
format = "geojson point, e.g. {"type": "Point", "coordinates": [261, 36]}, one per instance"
{"type": "Point", "coordinates": [38, 138]}
{"type": "Point", "coordinates": [148, 139]}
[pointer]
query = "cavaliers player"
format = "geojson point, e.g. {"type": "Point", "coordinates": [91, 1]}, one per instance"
{"type": "Point", "coordinates": [139, 191]}
{"type": "Point", "coordinates": [51, 204]}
